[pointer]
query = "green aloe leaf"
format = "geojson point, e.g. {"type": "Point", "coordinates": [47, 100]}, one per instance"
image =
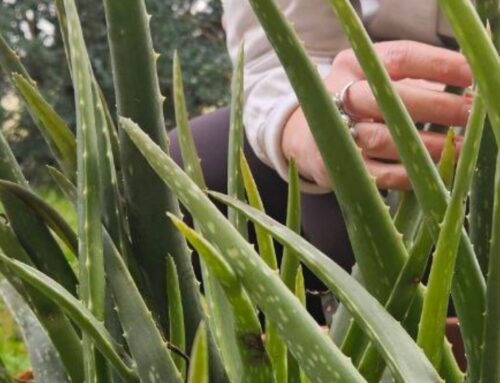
{"type": "Point", "coordinates": [57, 134]}
{"type": "Point", "coordinates": [434, 313]}
{"type": "Point", "coordinates": [147, 346]}
{"type": "Point", "coordinates": [176, 315]}
{"type": "Point", "coordinates": [378, 324]}
{"type": "Point", "coordinates": [138, 97]}
{"type": "Point", "coordinates": [77, 312]}
{"type": "Point", "coordinates": [44, 358]}
{"type": "Point", "coordinates": [90, 252]}
{"type": "Point", "coordinates": [5, 377]}
{"type": "Point", "coordinates": [255, 276]}
{"type": "Point", "coordinates": [408, 283]}
{"type": "Point", "coordinates": [469, 285]}
{"type": "Point", "coordinates": [490, 371]}
{"type": "Point", "coordinates": [255, 363]}
{"type": "Point", "coordinates": [222, 340]}
{"type": "Point", "coordinates": [198, 371]}
{"type": "Point", "coordinates": [235, 186]}
{"type": "Point", "coordinates": [46, 212]}
{"type": "Point", "coordinates": [57, 326]}
{"type": "Point", "coordinates": [267, 289]}
{"type": "Point", "coordinates": [408, 217]}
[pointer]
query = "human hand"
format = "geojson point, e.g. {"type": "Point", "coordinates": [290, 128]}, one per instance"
{"type": "Point", "coordinates": [418, 71]}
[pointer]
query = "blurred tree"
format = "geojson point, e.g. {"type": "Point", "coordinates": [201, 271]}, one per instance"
{"type": "Point", "coordinates": [30, 26]}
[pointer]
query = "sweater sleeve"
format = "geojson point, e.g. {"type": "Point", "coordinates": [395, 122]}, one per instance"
{"type": "Point", "coordinates": [269, 97]}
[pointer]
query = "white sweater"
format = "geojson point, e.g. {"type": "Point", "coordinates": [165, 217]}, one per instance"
{"type": "Point", "coordinates": [269, 98]}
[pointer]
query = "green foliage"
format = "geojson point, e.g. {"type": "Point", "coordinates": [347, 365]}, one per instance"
{"type": "Point", "coordinates": [139, 315]}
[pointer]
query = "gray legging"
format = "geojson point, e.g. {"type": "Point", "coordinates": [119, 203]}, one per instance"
{"type": "Point", "coordinates": [322, 222]}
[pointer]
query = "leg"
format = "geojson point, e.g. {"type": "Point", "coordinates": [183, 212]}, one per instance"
{"type": "Point", "coordinates": [322, 221]}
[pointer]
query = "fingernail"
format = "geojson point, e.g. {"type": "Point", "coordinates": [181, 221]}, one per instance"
{"type": "Point", "coordinates": [469, 94]}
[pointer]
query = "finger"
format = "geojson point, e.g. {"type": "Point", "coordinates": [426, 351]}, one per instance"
{"type": "Point", "coordinates": [376, 142]}
{"type": "Point", "coordinates": [424, 105]}
{"type": "Point", "coordinates": [388, 176]}
{"type": "Point", "coordinates": [411, 59]}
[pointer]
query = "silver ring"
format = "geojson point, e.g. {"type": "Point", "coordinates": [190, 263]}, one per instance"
{"type": "Point", "coordinates": [340, 99]}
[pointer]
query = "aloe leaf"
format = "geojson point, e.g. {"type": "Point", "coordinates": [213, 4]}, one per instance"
{"type": "Point", "coordinates": [77, 312]}
{"type": "Point", "coordinates": [59, 329]}
{"type": "Point", "coordinates": [221, 319]}
{"type": "Point", "coordinates": [408, 217]}
{"type": "Point", "coordinates": [408, 283]}
{"type": "Point", "coordinates": [176, 315]}
{"type": "Point", "coordinates": [90, 252]}
{"type": "Point", "coordinates": [5, 377]}
{"type": "Point", "coordinates": [290, 262]}
{"type": "Point", "coordinates": [482, 191]}
{"type": "Point", "coordinates": [235, 186]}
{"type": "Point", "coordinates": [434, 313]}
{"type": "Point", "coordinates": [469, 285]}
{"type": "Point", "coordinates": [300, 291]}
{"type": "Point", "coordinates": [198, 371]}
{"type": "Point", "coordinates": [490, 371]}
{"type": "Point", "coordinates": [46, 212]}
{"type": "Point", "coordinates": [256, 365]}
{"type": "Point", "coordinates": [148, 348]}
{"type": "Point", "coordinates": [255, 276]}
{"type": "Point", "coordinates": [375, 321]}
{"type": "Point", "coordinates": [45, 361]}
{"type": "Point", "coordinates": [138, 97]}
{"type": "Point", "coordinates": [57, 134]}
{"type": "Point", "coordinates": [274, 345]}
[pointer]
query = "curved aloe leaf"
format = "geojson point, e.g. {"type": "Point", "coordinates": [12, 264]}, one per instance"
{"type": "Point", "coordinates": [434, 312]}
{"type": "Point", "coordinates": [90, 252]}
{"type": "Point", "coordinates": [198, 371]}
{"type": "Point", "coordinates": [5, 377]}
{"type": "Point", "coordinates": [378, 248]}
{"type": "Point", "coordinates": [149, 350]}
{"type": "Point", "coordinates": [46, 212]}
{"type": "Point", "coordinates": [469, 285]}
{"type": "Point", "coordinates": [176, 315]}
{"type": "Point", "coordinates": [490, 371]}
{"type": "Point", "coordinates": [77, 312]}
{"type": "Point", "coordinates": [408, 217]}
{"type": "Point", "coordinates": [379, 325]}
{"type": "Point", "coordinates": [138, 97]}
{"type": "Point", "coordinates": [256, 366]}
{"type": "Point", "coordinates": [408, 283]}
{"type": "Point", "coordinates": [45, 360]}
{"type": "Point", "coordinates": [60, 330]}
{"type": "Point", "coordinates": [257, 279]}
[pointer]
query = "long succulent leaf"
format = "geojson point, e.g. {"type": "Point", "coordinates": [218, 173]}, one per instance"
{"type": "Point", "coordinates": [235, 185]}
{"type": "Point", "coordinates": [46, 212]}
{"type": "Point", "coordinates": [77, 312]}
{"type": "Point", "coordinates": [434, 313]}
{"type": "Point", "coordinates": [90, 252]}
{"type": "Point", "coordinates": [57, 134]}
{"type": "Point", "coordinates": [222, 340]}
{"type": "Point", "coordinates": [59, 329]}
{"type": "Point", "coordinates": [469, 285]}
{"type": "Point", "coordinates": [147, 346]}
{"type": "Point", "coordinates": [5, 376]}
{"type": "Point", "coordinates": [408, 217]}
{"type": "Point", "coordinates": [256, 365]}
{"type": "Point", "coordinates": [381, 327]}
{"type": "Point", "coordinates": [198, 371]}
{"type": "Point", "coordinates": [490, 371]}
{"type": "Point", "coordinates": [482, 191]}
{"type": "Point", "coordinates": [44, 358]}
{"type": "Point", "coordinates": [176, 315]}
{"type": "Point", "coordinates": [254, 275]}
{"type": "Point", "coordinates": [408, 283]}
{"type": "Point", "coordinates": [138, 97]}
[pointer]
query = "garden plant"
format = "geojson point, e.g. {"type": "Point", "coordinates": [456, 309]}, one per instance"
{"type": "Point", "coordinates": [126, 305]}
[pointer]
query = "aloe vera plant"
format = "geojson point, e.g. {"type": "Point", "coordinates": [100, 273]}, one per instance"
{"type": "Point", "coordinates": [134, 312]}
